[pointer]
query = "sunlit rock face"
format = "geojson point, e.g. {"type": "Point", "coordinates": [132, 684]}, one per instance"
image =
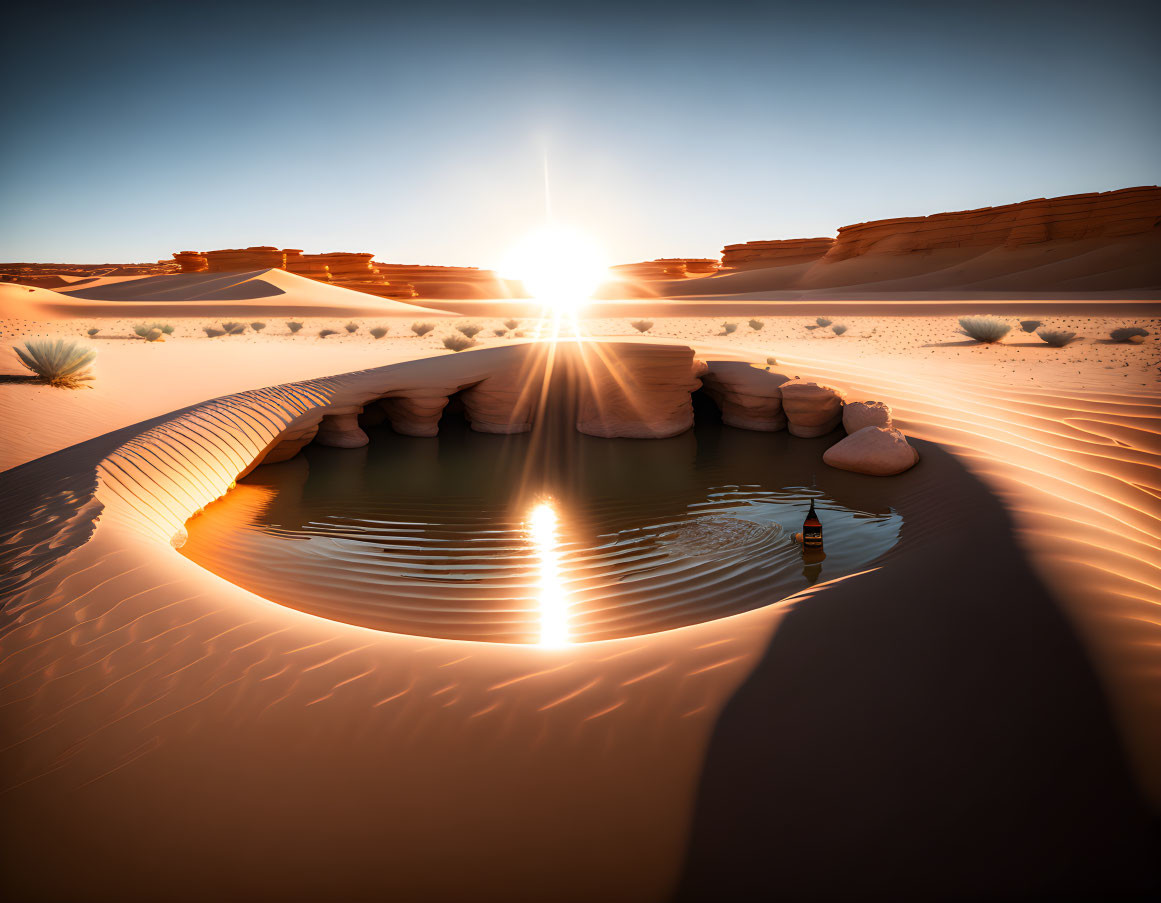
{"type": "Point", "coordinates": [1110, 214]}
{"type": "Point", "coordinates": [635, 391]}
{"type": "Point", "coordinates": [813, 409]}
{"type": "Point", "coordinates": [787, 252]}
{"type": "Point", "coordinates": [748, 396]}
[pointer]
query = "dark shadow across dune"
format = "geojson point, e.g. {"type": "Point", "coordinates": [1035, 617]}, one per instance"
{"type": "Point", "coordinates": [932, 730]}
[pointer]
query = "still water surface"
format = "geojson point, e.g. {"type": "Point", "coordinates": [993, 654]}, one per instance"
{"type": "Point", "coordinates": [515, 539]}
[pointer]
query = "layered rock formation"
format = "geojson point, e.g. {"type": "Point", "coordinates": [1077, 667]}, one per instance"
{"type": "Point", "coordinates": [231, 260]}
{"type": "Point", "coordinates": [1110, 214]}
{"type": "Point", "coordinates": [813, 409]}
{"type": "Point", "coordinates": [749, 397]}
{"type": "Point", "coordinates": [665, 268]}
{"type": "Point", "coordinates": [785, 252]}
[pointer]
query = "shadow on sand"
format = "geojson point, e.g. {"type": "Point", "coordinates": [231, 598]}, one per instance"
{"type": "Point", "coordinates": [932, 730]}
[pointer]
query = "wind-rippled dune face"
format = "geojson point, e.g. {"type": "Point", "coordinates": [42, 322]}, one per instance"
{"type": "Point", "coordinates": [175, 735]}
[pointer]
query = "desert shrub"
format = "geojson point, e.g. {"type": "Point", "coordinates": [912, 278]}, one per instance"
{"type": "Point", "coordinates": [823, 321]}
{"type": "Point", "coordinates": [1125, 333]}
{"type": "Point", "coordinates": [812, 326]}
{"type": "Point", "coordinates": [771, 361]}
{"type": "Point", "coordinates": [352, 327]}
{"type": "Point", "coordinates": [323, 333]}
{"type": "Point", "coordinates": [458, 342]}
{"type": "Point", "coordinates": [143, 329]}
{"type": "Point", "coordinates": [293, 325]}
{"type": "Point", "coordinates": [511, 324]}
{"type": "Point", "coordinates": [518, 334]}
{"type": "Point", "coordinates": [422, 329]}
{"type": "Point", "coordinates": [93, 331]}
{"type": "Point", "coordinates": [727, 328]}
{"type": "Point", "coordinates": [212, 332]}
{"type": "Point", "coordinates": [1057, 338]}
{"type": "Point", "coordinates": [232, 328]}
{"type": "Point", "coordinates": [154, 335]}
{"type": "Point", "coordinates": [984, 329]}
{"type": "Point", "coordinates": [469, 330]}
{"type": "Point", "coordinates": [500, 332]}
{"type": "Point", "coordinates": [838, 329]}
{"type": "Point", "coordinates": [642, 325]}
{"type": "Point", "coordinates": [379, 331]}
{"type": "Point", "coordinates": [60, 363]}
{"type": "Point", "coordinates": [756, 325]}
{"type": "Point", "coordinates": [257, 325]}
{"type": "Point", "coordinates": [1029, 325]}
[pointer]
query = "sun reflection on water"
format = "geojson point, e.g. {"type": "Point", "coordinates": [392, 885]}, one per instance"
{"type": "Point", "coordinates": [553, 599]}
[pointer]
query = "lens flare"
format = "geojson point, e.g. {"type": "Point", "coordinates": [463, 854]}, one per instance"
{"type": "Point", "coordinates": [553, 599]}
{"type": "Point", "coordinates": [559, 266]}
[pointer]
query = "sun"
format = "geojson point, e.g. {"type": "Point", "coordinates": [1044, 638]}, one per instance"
{"type": "Point", "coordinates": [559, 266]}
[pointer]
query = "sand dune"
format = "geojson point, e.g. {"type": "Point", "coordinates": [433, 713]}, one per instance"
{"type": "Point", "coordinates": [124, 664]}
{"type": "Point", "coordinates": [263, 292]}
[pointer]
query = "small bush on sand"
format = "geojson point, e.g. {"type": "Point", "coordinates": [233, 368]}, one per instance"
{"type": "Point", "coordinates": [771, 361]}
{"type": "Point", "coordinates": [756, 325]}
{"type": "Point", "coordinates": [727, 328]}
{"type": "Point", "coordinates": [1029, 325]}
{"type": "Point", "coordinates": [511, 324]}
{"type": "Point", "coordinates": [93, 331]}
{"type": "Point", "coordinates": [213, 332]}
{"type": "Point", "coordinates": [812, 326]}
{"type": "Point", "coordinates": [379, 331]}
{"type": "Point", "coordinates": [60, 363]}
{"type": "Point", "coordinates": [518, 334]}
{"type": "Point", "coordinates": [458, 342]}
{"type": "Point", "coordinates": [143, 329]}
{"type": "Point", "coordinates": [154, 335]}
{"type": "Point", "coordinates": [642, 325]}
{"type": "Point", "coordinates": [293, 325]}
{"type": "Point", "coordinates": [500, 332]}
{"type": "Point", "coordinates": [422, 329]}
{"type": "Point", "coordinates": [469, 330]}
{"type": "Point", "coordinates": [838, 329]}
{"type": "Point", "coordinates": [233, 328]}
{"type": "Point", "coordinates": [257, 325]}
{"type": "Point", "coordinates": [823, 321]}
{"type": "Point", "coordinates": [1126, 333]}
{"type": "Point", "coordinates": [984, 329]}
{"type": "Point", "coordinates": [1056, 338]}
{"type": "Point", "coordinates": [323, 333]}
{"type": "Point", "coordinates": [352, 327]}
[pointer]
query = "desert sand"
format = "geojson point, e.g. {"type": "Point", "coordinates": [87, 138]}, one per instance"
{"type": "Point", "coordinates": [983, 702]}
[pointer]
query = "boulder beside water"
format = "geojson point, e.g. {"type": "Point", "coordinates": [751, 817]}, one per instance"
{"type": "Point", "coordinates": [873, 450]}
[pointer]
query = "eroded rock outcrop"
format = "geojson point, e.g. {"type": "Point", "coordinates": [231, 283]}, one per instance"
{"type": "Point", "coordinates": [665, 268]}
{"type": "Point", "coordinates": [784, 252]}
{"type": "Point", "coordinates": [341, 430]}
{"type": "Point", "coordinates": [232, 260]}
{"type": "Point", "coordinates": [873, 450]}
{"type": "Point", "coordinates": [748, 396]}
{"type": "Point", "coordinates": [636, 391]}
{"type": "Point", "coordinates": [1109, 214]}
{"type": "Point", "coordinates": [812, 409]}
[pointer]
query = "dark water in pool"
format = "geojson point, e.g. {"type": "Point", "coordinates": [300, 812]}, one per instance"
{"type": "Point", "coordinates": [515, 539]}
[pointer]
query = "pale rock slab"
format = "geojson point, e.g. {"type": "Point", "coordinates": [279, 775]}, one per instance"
{"type": "Point", "coordinates": [873, 450]}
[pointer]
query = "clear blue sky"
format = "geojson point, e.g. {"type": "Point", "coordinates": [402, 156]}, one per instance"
{"type": "Point", "coordinates": [671, 128]}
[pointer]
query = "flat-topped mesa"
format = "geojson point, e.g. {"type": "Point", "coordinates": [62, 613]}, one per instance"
{"type": "Point", "coordinates": [191, 261]}
{"type": "Point", "coordinates": [665, 268]}
{"type": "Point", "coordinates": [1109, 214]}
{"type": "Point", "coordinates": [783, 252]}
{"type": "Point", "coordinates": [234, 260]}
